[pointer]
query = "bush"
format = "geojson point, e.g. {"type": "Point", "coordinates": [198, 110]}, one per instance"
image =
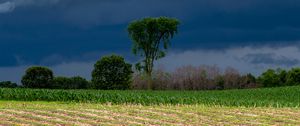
{"type": "Point", "coordinates": [282, 77]}
{"type": "Point", "coordinates": [160, 80]}
{"type": "Point", "coordinates": [269, 78]}
{"type": "Point", "coordinates": [183, 78]}
{"type": "Point", "coordinates": [112, 72]}
{"type": "Point", "coordinates": [248, 81]}
{"type": "Point", "coordinates": [37, 77]}
{"type": "Point", "coordinates": [69, 83]}
{"type": "Point", "coordinates": [195, 78]}
{"type": "Point", "coordinates": [8, 84]}
{"type": "Point", "coordinates": [78, 82]}
{"type": "Point", "coordinates": [220, 82]}
{"type": "Point", "coordinates": [140, 81]}
{"type": "Point", "coordinates": [60, 83]}
{"type": "Point", "coordinates": [293, 77]}
{"type": "Point", "coordinates": [231, 78]}
{"type": "Point", "coordinates": [273, 78]}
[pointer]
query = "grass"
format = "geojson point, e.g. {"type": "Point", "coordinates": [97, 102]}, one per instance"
{"type": "Point", "coordinates": [266, 97]}
{"type": "Point", "coordinates": [61, 113]}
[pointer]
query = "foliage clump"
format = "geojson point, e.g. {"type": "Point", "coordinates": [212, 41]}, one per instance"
{"type": "Point", "coordinates": [37, 77]}
{"type": "Point", "coordinates": [273, 78]}
{"type": "Point", "coordinates": [293, 77]}
{"type": "Point", "coordinates": [112, 72]}
{"type": "Point", "coordinates": [70, 83]}
{"type": "Point", "coordinates": [8, 84]}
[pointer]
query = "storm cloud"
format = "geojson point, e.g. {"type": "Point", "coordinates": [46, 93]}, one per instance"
{"type": "Point", "coordinates": [247, 59]}
{"type": "Point", "coordinates": [250, 34]}
{"type": "Point", "coordinates": [271, 59]}
{"type": "Point", "coordinates": [7, 6]}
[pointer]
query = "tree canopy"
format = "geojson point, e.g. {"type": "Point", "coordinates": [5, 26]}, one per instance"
{"type": "Point", "coordinates": [151, 38]}
{"type": "Point", "coordinates": [37, 77]}
{"type": "Point", "coordinates": [111, 73]}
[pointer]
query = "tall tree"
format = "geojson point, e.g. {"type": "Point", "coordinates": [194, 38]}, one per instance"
{"type": "Point", "coordinates": [151, 38]}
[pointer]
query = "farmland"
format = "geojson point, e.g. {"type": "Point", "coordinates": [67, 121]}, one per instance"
{"type": "Point", "coordinates": [266, 106]}
{"type": "Point", "coordinates": [59, 113]}
{"type": "Point", "coordinates": [265, 97]}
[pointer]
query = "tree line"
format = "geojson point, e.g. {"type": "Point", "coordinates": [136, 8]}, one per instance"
{"type": "Point", "coordinates": [114, 73]}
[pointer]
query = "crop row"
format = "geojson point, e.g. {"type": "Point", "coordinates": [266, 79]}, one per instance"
{"type": "Point", "coordinates": [275, 97]}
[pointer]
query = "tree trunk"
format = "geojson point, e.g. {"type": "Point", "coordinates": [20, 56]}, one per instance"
{"type": "Point", "coordinates": [149, 81]}
{"type": "Point", "coordinates": [148, 70]}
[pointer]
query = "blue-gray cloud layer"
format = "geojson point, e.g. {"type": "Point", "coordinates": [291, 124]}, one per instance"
{"type": "Point", "coordinates": [52, 32]}
{"type": "Point", "coordinates": [270, 59]}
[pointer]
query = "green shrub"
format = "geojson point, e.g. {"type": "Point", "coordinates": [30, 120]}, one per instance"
{"type": "Point", "coordinates": [69, 83]}
{"type": "Point", "coordinates": [112, 72]}
{"type": "Point", "coordinates": [219, 80]}
{"type": "Point", "coordinates": [293, 77]}
{"type": "Point", "coordinates": [60, 83]}
{"type": "Point", "coordinates": [8, 84]}
{"type": "Point", "coordinates": [282, 74]}
{"type": "Point", "coordinates": [269, 78]}
{"type": "Point", "coordinates": [37, 77]}
{"type": "Point", "coordinates": [78, 83]}
{"type": "Point", "coordinates": [273, 78]}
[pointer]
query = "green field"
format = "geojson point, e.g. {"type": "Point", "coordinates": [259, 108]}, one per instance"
{"type": "Point", "coordinates": [267, 97]}
{"type": "Point", "coordinates": [268, 106]}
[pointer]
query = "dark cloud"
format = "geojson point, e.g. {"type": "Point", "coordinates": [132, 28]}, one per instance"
{"type": "Point", "coordinates": [50, 32]}
{"type": "Point", "coordinates": [246, 59]}
{"type": "Point", "coordinates": [270, 59]}
{"type": "Point", "coordinates": [249, 14]}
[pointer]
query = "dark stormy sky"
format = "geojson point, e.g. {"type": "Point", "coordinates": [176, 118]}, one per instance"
{"type": "Point", "coordinates": [70, 35]}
